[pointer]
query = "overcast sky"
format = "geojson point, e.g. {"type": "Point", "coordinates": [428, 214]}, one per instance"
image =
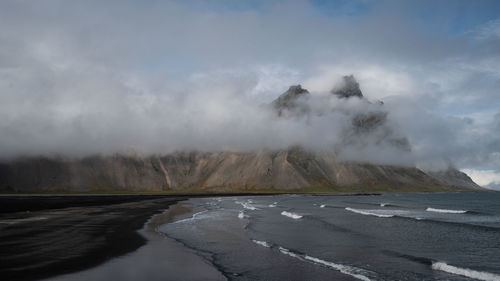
{"type": "Point", "coordinates": [86, 77]}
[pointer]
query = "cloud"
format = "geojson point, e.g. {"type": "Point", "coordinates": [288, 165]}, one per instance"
{"type": "Point", "coordinates": [103, 77]}
{"type": "Point", "coordinates": [486, 178]}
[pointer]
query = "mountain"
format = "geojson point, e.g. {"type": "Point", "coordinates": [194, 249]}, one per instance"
{"type": "Point", "coordinates": [349, 88]}
{"type": "Point", "coordinates": [292, 102]}
{"type": "Point", "coordinates": [294, 168]}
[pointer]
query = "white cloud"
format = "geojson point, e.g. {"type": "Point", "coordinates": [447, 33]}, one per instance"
{"type": "Point", "coordinates": [485, 178]}
{"type": "Point", "coordinates": [101, 77]}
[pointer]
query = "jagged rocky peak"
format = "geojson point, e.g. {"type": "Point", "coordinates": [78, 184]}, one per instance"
{"type": "Point", "coordinates": [369, 121]}
{"type": "Point", "coordinates": [348, 88]}
{"type": "Point", "coordinates": [292, 102]}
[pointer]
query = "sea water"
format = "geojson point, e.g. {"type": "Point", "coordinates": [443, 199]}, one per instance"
{"type": "Point", "coordinates": [398, 236]}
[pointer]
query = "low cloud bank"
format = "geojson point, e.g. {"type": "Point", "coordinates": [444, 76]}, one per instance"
{"type": "Point", "coordinates": [159, 77]}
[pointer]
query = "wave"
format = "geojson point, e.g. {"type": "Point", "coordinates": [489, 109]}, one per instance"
{"type": "Point", "coordinates": [291, 215]}
{"type": "Point", "coordinates": [193, 217]}
{"type": "Point", "coordinates": [241, 215]}
{"type": "Point", "coordinates": [355, 272]}
{"type": "Point", "coordinates": [247, 205]}
{"type": "Point", "coordinates": [273, 205]}
{"type": "Point", "coordinates": [348, 270]}
{"type": "Point", "coordinates": [479, 275]}
{"type": "Point", "coordinates": [288, 252]}
{"type": "Point", "coordinates": [328, 226]}
{"type": "Point", "coordinates": [446, 211]}
{"type": "Point", "coordinates": [345, 269]}
{"type": "Point", "coordinates": [368, 213]}
{"type": "Point", "coordinates": [262, 243]}
{"type": "Point", "coordinates": [477, 227]}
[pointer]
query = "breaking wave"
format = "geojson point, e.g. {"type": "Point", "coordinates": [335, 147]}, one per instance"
{"type": "Point", "coordinates": [479, 275]}
{"type": "Point", "coordinates": [446, 211]}
{"type": "Point", "coordinates": [288, 252]}
{"type": "Point", "coordinates": [241, 215]}
{"type": "Point", "coordinates": [368, 213]}
{"type": "Point", "coordinates": [349, 270]}
{"type": "Point", "coordinates": [247, 205]}
{"type": "Point", "coordinates": [262, 243]}
{"type": "Point", "coordinates": [345, 269]}
{"type": "Point", "coordinates": [291, 215]}
{"type": "Point", "coordinates": [193, 217]}
{"type": "Point", "coordinates": [273, 205]}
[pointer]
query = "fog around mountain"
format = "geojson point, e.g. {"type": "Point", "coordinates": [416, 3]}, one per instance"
{"type": "Point", "coordinates": [154, 78]}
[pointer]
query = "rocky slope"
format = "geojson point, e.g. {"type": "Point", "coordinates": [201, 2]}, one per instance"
{"type": "Point", "coordinates": [288, 169]}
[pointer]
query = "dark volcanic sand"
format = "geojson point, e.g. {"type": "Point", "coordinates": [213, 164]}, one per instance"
{"type": "Point", "coordinates": [63, 234]}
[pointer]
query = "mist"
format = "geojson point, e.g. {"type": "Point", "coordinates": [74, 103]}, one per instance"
{"type": "Point", "coordinates": [153, 78]}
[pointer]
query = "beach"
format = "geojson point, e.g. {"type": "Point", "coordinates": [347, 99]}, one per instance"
{"type": "Point", "coordinates": [45, 236]}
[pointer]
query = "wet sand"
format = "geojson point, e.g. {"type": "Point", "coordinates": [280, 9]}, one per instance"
{"type": "Point", "coordinates": [45, 236]}
{"type": "Point", "coordinates": [162, 258]}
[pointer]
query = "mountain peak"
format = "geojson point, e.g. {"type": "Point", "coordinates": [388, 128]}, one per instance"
{"type": "Point", "coordinates": [349, 88]}
{"type": "Point", "coordinates": [290, 102]}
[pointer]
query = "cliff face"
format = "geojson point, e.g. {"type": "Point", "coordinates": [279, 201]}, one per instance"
{"type": "Point", "coordinates": [290, 169]}
{"type": "Point", "coordinates": [287, 169]}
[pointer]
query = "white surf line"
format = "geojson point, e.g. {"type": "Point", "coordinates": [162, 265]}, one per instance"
{"type": "Point", "coordinates": [367, 213]}
{"type": "Point", "coordinates": [192, 218]}
{"type": "Point", "coordinates": [246, 205]}
{"type": "Point", "coordinates": [288, 252]}
{"type": "Point", "coordinates": [262, 243]}
{"type": "Point", "coordinates": [241, 215]}
{"type": "Point", "coordinates": [474, 274]}
{"type": "Point", "coordinates": [345, 269]}
{"type": "Point", "coordinates": [291, 215]}
{"type": "Point", "coordinates": [445, 211]}
{"type": "Point", "coordinates": [348, 270]}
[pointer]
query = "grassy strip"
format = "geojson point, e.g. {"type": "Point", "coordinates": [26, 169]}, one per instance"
{"type": "Point", "coordinates": [255, 190]}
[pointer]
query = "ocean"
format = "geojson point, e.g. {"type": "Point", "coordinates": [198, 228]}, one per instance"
{"type": "Point", "coordinates": [396, 236]}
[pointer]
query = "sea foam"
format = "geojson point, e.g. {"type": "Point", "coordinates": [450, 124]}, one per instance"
{"type": "Point", "coordinates": [291, 215]}
{"type": "Point", "coordinates": [348, 270]}
{"type": "Point", "coordinates": [368, 213]}
{"type": "Point", "coordinates": [479, 275]}
{"type": "Point", "coordinates": [345, 269]}
{"type": "Point", "coordinates": [446, 211]}
{"type": "Point", "coordinates": [241, 215]}
{"type": "Point", "coordinates": [247, 205]}
{"type": "Point", "coordinates": [262, 243]}
{"type": "Point", "coordinates": [193, 217]}
{"type": "Point", "coordinates": [288, 252]}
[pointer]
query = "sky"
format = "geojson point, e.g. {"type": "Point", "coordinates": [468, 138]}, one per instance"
{"type": "Point", "coordinates": [89, 77]}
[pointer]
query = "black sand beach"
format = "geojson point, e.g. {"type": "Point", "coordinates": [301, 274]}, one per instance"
{"type": "Point", "coordinates": [44, 236]}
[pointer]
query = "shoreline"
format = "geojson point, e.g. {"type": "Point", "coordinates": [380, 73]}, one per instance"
{"type": "Point", "coordinates": [48, 241]}
{"type": "Point", "coordinates": [44, 236]}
